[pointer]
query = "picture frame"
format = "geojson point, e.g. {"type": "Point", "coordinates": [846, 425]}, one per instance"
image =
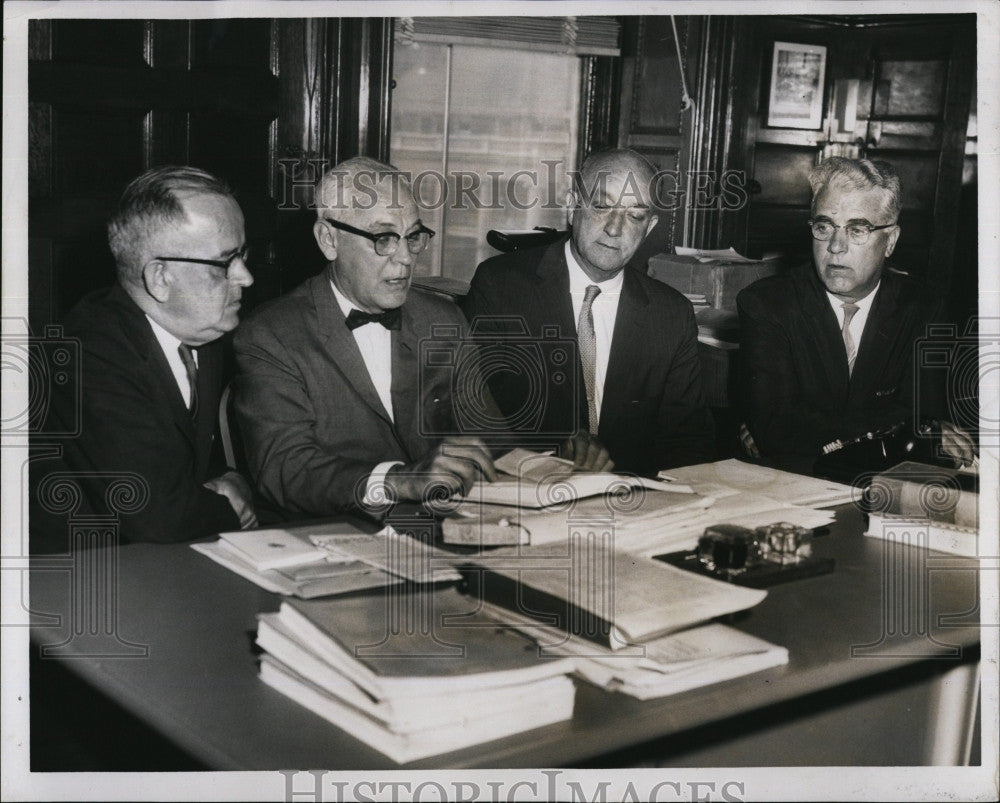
{"type": "Point", "coordinates": [798, 75]}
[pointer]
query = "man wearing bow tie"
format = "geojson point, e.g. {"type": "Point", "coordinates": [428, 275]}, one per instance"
{"type": "Point", "coordinates": [339, 409]}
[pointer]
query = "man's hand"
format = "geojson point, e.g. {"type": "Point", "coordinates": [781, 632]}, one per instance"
{"type": "Point", "coordinates": [957, 444]}
{"type": "Point", "coordinates": [586, 452]}
{"type": "Point", "coordinates": [237, 490]}
{"type": "Point", "coordinates": [455, 465]}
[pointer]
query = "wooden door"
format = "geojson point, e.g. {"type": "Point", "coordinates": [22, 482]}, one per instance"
{"type": "Point", "coordinates": [262, 103]}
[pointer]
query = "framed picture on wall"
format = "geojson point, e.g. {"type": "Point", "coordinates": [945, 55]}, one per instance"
{"type": "Point", "coordinates": [797, 75]}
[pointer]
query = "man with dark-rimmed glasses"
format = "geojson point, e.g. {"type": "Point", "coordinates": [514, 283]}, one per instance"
{"type": "Point", "coordinates": [338, 408]}
{"type": "Point", "coordinates": [827, 350]}
{"type": "Point", "coordinates": [151, 367]}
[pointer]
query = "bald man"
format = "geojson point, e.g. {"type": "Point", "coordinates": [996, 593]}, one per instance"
{"type": "Point", "coordinates": [634, 398]}
{"type": "Point", "coordinates": [337, 408]}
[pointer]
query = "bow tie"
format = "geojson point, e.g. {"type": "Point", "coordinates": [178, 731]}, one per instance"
{"type": "Point", "coordinates": [390, 319]}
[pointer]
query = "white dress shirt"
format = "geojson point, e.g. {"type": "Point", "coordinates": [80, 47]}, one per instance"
{"type": "Point", "coordinates": [860, 318]}
{"type": "Point", "coordinates": [375, 343]}
{"type": "Point", "coordinates": [170, 344]}
{"type": "Point", "coordinates": [605, 311]}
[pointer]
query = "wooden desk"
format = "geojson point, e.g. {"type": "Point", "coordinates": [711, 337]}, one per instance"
{"type": "Point", "coordinates": [183, 664]}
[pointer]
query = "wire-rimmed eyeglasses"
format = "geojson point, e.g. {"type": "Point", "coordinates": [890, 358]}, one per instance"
{"type": "Point", "coordinates": [857, 233]}
{"type": "Point", "coordinates": [387, 242]}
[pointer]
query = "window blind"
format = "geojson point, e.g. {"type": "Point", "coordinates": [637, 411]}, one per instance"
{"type": "Point", "coordinates": [582, 36]}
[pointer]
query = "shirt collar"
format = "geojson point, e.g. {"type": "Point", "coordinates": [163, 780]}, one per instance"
{"type": "Point", "coordinates": [864, 304]}
{"type": "Point", "coordinates": [580, 281]}
{"type": "Point", "coordinates": [342, 301]}
{"type": "Point", "coordinates": [167, 341]}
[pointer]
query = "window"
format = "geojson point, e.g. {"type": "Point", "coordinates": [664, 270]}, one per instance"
{"type": "Point", "coordinates": [500, 126]}
{"type": "Point", "coordinates": [485, 118]}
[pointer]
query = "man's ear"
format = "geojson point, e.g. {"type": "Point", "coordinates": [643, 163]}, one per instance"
{"type": "Point", "coordinates": [326, 239]}
{"type": "Point", "coordinates": [157, 280]}
{"type": "Point", "coordinates": [890, 243]}
{"type": "Point", "coordinates": [653, 220]}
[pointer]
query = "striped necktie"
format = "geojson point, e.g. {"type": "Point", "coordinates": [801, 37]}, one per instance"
{"type": "Point", "coordinates": [187, 357]}
{"type": "Point", "coordinates": [587, 339]}
{"type": "Point", "coordinates": [850, 310]}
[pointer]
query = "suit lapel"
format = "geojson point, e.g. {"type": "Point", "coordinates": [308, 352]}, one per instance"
{"type": "Point", "coordinates": [626, 342]}
{"type": "Point", "coordinates": [341, 346]}
{"type": "Point", "coordinates": [551, 303]}
{"type": "Point", "coordinates": [405, 383]}
{"type": "Point", "coordinates": [822, 335]}
{"type": "Point", "coordinates": [876, 341]}
{"type": "Point", "coordinates": [551, 299]}
{"type": "Point", "coordinates": [138, 330]}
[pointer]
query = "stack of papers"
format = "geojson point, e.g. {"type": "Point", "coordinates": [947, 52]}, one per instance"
{"type": "Point", "coordinates": [598, 593]}
{"type": "Point", "coordinates": [412, 689]}
{"type": "Point", "coordinates": [728, 477]}
{"type": "Point", "coordinates": [670, 664]}
{"type": "Point", "coordinates": [320, 559]}
{"type": "Point", "coordinates": [706, 255]}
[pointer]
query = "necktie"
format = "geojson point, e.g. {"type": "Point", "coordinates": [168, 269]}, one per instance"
{"type": "Point", "coordinates": [850, 310]}
{"type": "Point", "coordinates": [588, 352]}
{"type": "Point", "coordinates": [187, 357]}
{"type": "Point", "coordinates": [390, 319]}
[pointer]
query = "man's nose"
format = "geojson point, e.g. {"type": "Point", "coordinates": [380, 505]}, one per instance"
{"type": "Point", "coordinates": [403, 256]}
{"type": "Point", "coordinates": [613, 226]}
{"type": "Point", "coordinates": [239, 273]}
{"type": "Point", "coordinates": [838, 243]}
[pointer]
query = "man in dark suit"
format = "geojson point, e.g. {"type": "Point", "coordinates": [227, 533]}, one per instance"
{"type": "Point", "coordinates": [827, 350]}
{"type": "Point", "coordinates": [151, 369]}
{"type": "Point", "coordinates": [634, 389]}
{"type": "Point", "coordinates": [341, 406]}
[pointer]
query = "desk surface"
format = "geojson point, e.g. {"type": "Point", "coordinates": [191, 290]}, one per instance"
{"type": "Point", "coordinates": [198, 684]}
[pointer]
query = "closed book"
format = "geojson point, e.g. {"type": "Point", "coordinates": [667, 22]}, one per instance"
{"type": "Point", "coordinates": [410, 640]}
{"type": "Point", "coordinates": [937, 535]}
{"type": "Point", "coordinates": [549, 701]}
{"type": "Point", "coordinates": [272, 549]}
{"type": "Point", "coordinates": [399, 713]}
{"type": "Point", "coordinates": [595, 592]}
{"type": "Point", "coordinates": [928, 492]}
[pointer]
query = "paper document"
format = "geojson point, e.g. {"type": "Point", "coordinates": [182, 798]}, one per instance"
{"type": "Point", "coordinates": [603, 594]}
{"type": "Point", "coordinates": [714, 255]}
{"type": "Point", "coordinates": [716, 479]}
{"type": "Point", "coordinates": [396, 554]}
{"type": "Point", "coordinates": [537, 481]}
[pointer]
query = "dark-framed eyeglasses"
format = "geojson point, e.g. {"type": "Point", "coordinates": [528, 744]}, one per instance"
{"type": "Point", "coordinates": [387, 242]}
{"type": "Point", "coordinates": [242, 255]}
{"type": "Point", "coordinates": [857, 233]}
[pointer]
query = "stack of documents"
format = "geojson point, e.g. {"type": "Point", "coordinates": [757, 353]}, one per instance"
{"type": "Point", "coordinates": [320, 559]}
{"type": "Point", "coordinates": [412, 673]}
{"type": "Point", "coordinates": [625, 620]}
{"type": "Point", "coordinates": [670, 664]}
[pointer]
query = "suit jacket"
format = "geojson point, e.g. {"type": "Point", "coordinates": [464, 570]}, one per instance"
{"type": "Point", "coordinates": [312, 422]}
{"type": "Point", "coordinates": [796, 389]}
{"type": "Point", "coordinates": [133, 419]}
{"type": "Point", "coordinates": [653, 412]}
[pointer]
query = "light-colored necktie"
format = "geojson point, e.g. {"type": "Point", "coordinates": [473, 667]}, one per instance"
{"type": "Point", "coordinates": [588, 352]}
{"type": "Point", "coordinates": [850, 310]}
{"type": "Point", "coordinates": [187, 357]}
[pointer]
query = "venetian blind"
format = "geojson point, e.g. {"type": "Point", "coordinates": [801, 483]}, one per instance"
{"type": "Point", "coordinates": [581, 36]}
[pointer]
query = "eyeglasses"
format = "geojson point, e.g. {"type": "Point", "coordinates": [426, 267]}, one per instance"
{"type": "Point", "coordinates": [857, 233]}
{"type": "Point", "coordinates": [242, 255]}
{"type": "Point", "coordinates": [387, 242]}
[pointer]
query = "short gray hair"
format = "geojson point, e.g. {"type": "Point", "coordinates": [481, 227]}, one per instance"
{"type": "Point", "coordinates": [150, 202]}
{"type": "Point", "coordinates": [860, 174]}
{"type": "Point", "coordinates": [348, 185]}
